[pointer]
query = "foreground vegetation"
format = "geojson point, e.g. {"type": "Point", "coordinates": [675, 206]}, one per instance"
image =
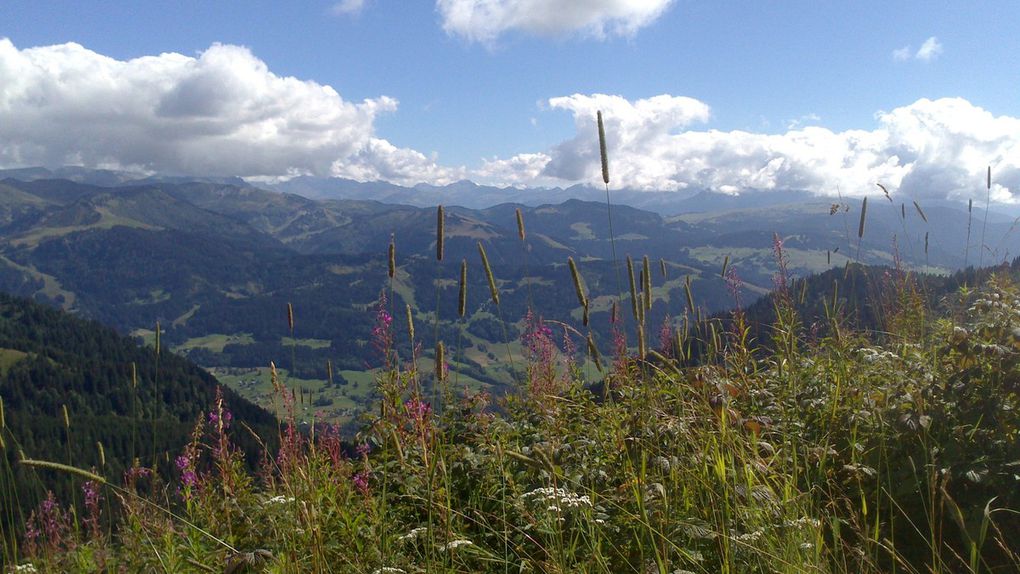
{"type": "Point", "coordinates": [835, 450]}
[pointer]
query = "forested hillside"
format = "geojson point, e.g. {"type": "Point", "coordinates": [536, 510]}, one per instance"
{"type": "Point", "coordinates": [69, 385]}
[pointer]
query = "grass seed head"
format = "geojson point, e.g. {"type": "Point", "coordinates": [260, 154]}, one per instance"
{"type": "Point", "coordinates": [864, 216]}
{"type": "Point", "coordinates": [689, 294]}
{"type": "Point", "coordinates": [493, 290]}
{"type": "Point", "coordinates": [593, 352]}
{"type": "Point", "coordinates": [633, 288]}
{"type": "Point", "coordinates": [440, 362]}
{"type": "Point", "coordinates": [392, 258]}
{"type": "Point", "coordinates": [520, 224]}
{"type": "Point", "coordinates": [920, 211]}
{"type": "Point", "coordinates": [62, 468]}
{"type": "Point", "coordinates": [578, 285]}
{"type": "Point", "coordinates": [602, 149]}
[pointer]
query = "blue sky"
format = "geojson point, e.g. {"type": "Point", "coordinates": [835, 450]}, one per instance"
{"type": "Point", "coordinates": [463, 93]}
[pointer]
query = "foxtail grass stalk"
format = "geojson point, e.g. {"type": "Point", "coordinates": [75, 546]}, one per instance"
{"type": "Point", "coordinates": [633, 289]}
{"type": "Point", "coordinates": [690, 295]}
{"type": "Point", "coordinates": [646, 283]}
{"type": "Point", "coordinates": [966, 248]}
{"type": "Point", "coordinates": [984, 225]}
{"type": "Point", "coordinates": [156, 400]}
{"type": "Point", "coordinates": [440, 362]}
{"type": "Point", "coordinates": [134, 410]}
{"type": "Point", "coordinates": [462, 294]}
{"type": "Point", "coordinates": [524, 248]}
{"type": "Point", "coordinates": [920, 211]}
{"type": "Point", "coordinates": [604, 156]}
{"type": "Point", "coordinates": [440, 232]}
{"type": "Point", "coordinates": [65, 468]}
{"type": "Point", "coordinates": [391, 258]}
{"type": "Point", "coordinates": [493, 289]}
{"type": "Point", "coordinates": [578, 283]}
{"type": "Point", "coordinates": [593, 352]}
{"type": "Point", "coordinates": [494, 294]}
{"type": "Point", "coordinates": [440, 239]}
{"type": "Point", "coordinates": [860, 226]}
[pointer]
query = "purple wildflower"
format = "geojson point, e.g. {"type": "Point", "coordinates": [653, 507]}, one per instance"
{"type": "Point", "coordinates": [360, 481]}
{"type": "Point", "coordinates": [90, 490]}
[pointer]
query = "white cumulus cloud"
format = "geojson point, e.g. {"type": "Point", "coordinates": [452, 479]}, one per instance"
{"type": "Point", "coordinates": [930, 148]}
{"type": "Point", "coordinates": [222, 112]}
{"type": "Point", "coordinates": [485, 20]}
{"type": "Point", "coordinates": [929, 50]}
{"type": "Point", "coordinates": [345, 7]}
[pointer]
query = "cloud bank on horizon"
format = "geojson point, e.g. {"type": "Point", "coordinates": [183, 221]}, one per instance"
{"type": "Point", "coordinates": [223, 112]}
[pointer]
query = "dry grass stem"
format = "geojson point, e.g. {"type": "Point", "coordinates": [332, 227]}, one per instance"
{"type": "Point", "coordinates": [462, 295]}
{"type": "Point", "coordinates": [440, 228]}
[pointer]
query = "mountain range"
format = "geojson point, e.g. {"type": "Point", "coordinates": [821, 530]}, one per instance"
{"type": "Point", "coordinates": [215, 263]}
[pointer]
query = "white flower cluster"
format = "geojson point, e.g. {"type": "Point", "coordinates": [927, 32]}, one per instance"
{"type": "Point", "coordinates": [389, 570]}
{"type": "Point", "coordinates": [413, 534]}
{"type": "Point", "coordinates": [457, 544]}
{"type": "Point", "coordinates": [870, 355]}
{"type": "Point", "coordinates": [749, 536]}
{"type": "Point", "coordinates": [557, 499]}
{"type": "Point", "coordinates": [25, 568]}
{"type": "Point", "coordinates": [280, 500]}
{"type": "Point", "coordinates": [802, 522]}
